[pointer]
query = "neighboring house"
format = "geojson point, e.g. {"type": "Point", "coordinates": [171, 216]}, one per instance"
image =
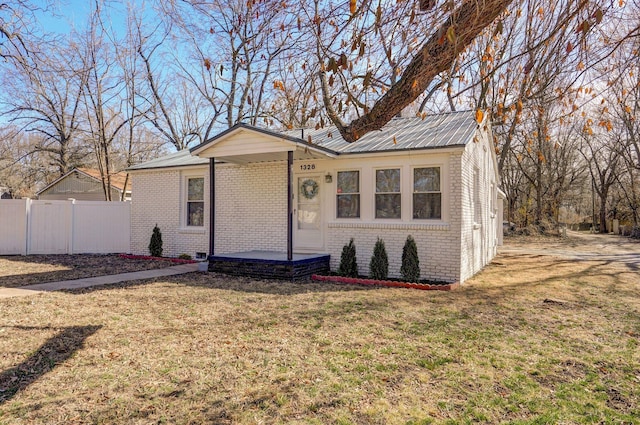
{"type": "Point", "coordinates": [5, 193]}
{"type": "Point", "coordinates": [434, 178]}
{"type": "Point", "coordinates": [85, 184]}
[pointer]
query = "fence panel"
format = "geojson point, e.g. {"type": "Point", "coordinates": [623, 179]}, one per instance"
{"type": "Point", "coordinates": [13, 226]}
{"type": "Point", "coordinates": [49, 227]}
{"type": "Point", "coordinates": [101, 227]}
{"type": "Point", "coordinates": [64, 227]}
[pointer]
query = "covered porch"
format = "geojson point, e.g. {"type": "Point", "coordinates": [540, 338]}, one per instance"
{"type": "Point", "coordinates": [243, 146]}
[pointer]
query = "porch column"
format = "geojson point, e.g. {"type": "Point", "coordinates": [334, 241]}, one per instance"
{"type": "Point", "coordinates": [290, 205]}
{"type": "Point", "coordinates": [212, 204]}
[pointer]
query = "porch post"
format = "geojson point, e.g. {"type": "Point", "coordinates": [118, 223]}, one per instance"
{"type": "Point", "coordinates": [212, 204]}
{"type": "Point", "coordinates": [290, 205]}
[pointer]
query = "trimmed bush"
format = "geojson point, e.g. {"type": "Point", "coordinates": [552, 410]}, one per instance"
{"type": "Point", "coordinates": [184, 257]}
{"type": "Point", "coordinates": [155, 245]}
{"type": "Point", "coordinates": [348, 264]}
{"type": "Point", "coordinates": [410, 269]}
{"type": "Point", "coordinates": [379, 265]}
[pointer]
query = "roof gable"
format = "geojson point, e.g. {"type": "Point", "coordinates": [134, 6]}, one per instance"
{"type": "Point", "coordinates": [243, 144]}
{"type": "Point", "coordinates": [117, 179]}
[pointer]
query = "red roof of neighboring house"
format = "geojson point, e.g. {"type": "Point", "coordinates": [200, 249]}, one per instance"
{"type": "Point", "coordinates": [117, 179]}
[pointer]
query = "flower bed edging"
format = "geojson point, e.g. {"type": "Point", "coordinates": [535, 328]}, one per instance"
{"type": "Point", "coordinates": [388, 283]}
{"type": "Point", "coordinates": [149, 257]}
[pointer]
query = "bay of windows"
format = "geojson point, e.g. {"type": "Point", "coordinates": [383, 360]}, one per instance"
{"type": "Point", "coordinates": [388, 187]}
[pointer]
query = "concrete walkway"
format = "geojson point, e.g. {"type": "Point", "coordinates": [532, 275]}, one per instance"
{"type": "Point", "coordinates": [97, 281]}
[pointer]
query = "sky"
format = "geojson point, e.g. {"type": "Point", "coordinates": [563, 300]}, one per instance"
{"type": "Point", "coordinates": [64, 15]}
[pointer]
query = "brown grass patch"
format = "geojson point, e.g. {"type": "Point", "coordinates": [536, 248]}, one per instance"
{"type": "Point", "coordinates": [201, 348]}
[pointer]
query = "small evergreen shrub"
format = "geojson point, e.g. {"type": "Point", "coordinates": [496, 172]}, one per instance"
{"type": "Point", "coordinates": [348, 264]}
{"type": "Point", "coordinates": [184, 256]}
{"type": "Point", "coordinates": [410, 269]}
{"type": "Point", "coordinates": [155, 245]}
{"type": "Point", "coordinates": [379, 265]}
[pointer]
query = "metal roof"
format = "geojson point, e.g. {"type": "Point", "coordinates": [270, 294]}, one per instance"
{"type": "Point", "coordinates": [176, 159]}
{"type": "Point", "coordinates": [399, 134]}
{"type": "Point", "coordinates": [434, 131]}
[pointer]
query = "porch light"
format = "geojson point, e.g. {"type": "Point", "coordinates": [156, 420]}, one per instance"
{"type": "Point", "coordinates": [328, 178]}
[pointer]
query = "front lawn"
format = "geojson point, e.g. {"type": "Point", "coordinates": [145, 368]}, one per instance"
{"type": "Point", "coordinates": [530, 340]}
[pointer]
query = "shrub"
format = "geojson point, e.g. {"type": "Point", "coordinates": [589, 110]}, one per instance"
{"type": "Point", "coordinates": [379, 265]}
{"type": "Point", "coordinates": [184, 256]}
{"type": "Point", "coordinates": [155, 245]}
{"type": "Point", "coordinates": [348, 264]}
{"type": "Point", "coordinates": [410, 269]}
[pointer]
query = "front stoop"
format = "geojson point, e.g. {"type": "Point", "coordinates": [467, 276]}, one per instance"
{"type": "Point", "coordinates": [270, 265]}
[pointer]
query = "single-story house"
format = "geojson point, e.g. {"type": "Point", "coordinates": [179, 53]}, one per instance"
{"type": "Point", "coordinates": [85, 184]}
{"type": "Point", "coordinates": [308, 192]}
{"type": "Point", "coordinates": [5, 193]}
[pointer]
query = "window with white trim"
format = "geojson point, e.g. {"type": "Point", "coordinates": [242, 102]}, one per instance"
{"type": "Point", "coordinates": [427, 195]}
{"type": "Point", "coordinates": [348, 194]}
{"type": "Point", "coordinates": [195, 202]}
{"type": "Point", "coordinates": [388, 196]}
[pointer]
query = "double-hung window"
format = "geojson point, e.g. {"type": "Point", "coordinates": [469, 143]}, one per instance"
{"type": "Point", "coordinates": [388, 197]}
{"type": "Point", "coordinates": [348, 194]}
{"type": "Point", "coordinates": [427, 196]}
{"type": "Point", "coordinates": [195, 201]}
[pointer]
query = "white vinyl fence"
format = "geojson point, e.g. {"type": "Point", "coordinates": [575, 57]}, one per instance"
{"type": "Point", "coordinates": [64, 227]}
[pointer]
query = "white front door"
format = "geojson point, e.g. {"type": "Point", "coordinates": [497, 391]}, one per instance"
{"type": "Point", "coordinates": [308, 213]}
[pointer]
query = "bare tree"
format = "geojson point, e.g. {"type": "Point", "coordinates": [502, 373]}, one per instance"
{"type": "Point", "coordinates": [103, 94]}
{"type": "Point", "coordinates": [46, 95]}
{"type": "Point", "coordinates": [237, 53]}
{"type": "Point", "coordinates": [600, 152]}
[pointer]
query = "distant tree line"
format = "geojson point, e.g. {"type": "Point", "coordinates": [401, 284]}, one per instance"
{"type": "Point", "coordinates": [559, 81]}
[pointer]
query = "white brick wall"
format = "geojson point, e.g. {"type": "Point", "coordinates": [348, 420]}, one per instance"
{"type": "Point", "coordinates": [437, 247]}
{"type": "Point", "coordinates": [478, 240]}
{"type": "Point", "coordinates": [251, 207]}
{"type": "Point", "coordinates": [158, 200]}
{"type": "Point", "coordinates": [438, 242]}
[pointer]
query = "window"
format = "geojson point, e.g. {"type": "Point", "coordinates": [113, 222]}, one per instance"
{"type": "Point", "coordinates": [477, 204]}
{"type": "Point", "coordinates": [348, 196]}
{"type": "Point", "coordinates": [195, 201]}
{"type": "Point", "coordinates": [427, 198]}
{"type": "Point", "coordinates": [388, 193]}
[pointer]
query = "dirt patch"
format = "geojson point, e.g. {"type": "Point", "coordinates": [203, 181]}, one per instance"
{"type": "Point", "coordinates": [16, 271]}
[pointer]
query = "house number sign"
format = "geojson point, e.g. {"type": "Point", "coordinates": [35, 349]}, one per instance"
{"type": "Point", "coordinates": [307, 167]}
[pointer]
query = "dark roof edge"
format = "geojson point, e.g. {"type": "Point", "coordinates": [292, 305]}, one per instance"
{"type": "Point", "coordinates": [162, 167]}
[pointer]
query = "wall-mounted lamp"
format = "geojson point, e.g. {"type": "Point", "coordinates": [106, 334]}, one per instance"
{"type": "Point", "coordinates": [328, 178]}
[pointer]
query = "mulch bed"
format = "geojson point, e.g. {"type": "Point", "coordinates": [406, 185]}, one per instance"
{"type": "Point", "coordinates": [388, 283]}
{"type": "Point", "coordinates": [18, 270]}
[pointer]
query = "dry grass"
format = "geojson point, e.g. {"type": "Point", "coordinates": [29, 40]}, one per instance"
{"type": "Point", "coordinates": [19, 270]}
{"type": "Point", "coordinates": [531, 340]}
